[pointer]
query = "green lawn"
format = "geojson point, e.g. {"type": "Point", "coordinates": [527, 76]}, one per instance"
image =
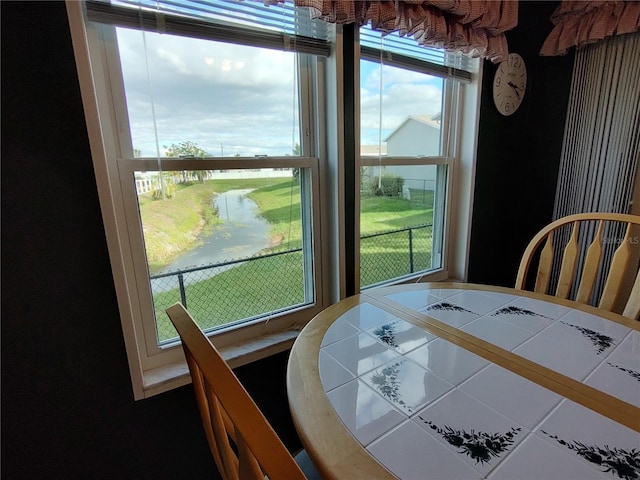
{"type": "Point", "coordinates": [381, 214]}
{"type": "Point", "coordinates": [279, 204]}
{"type": "Point", "coordinates": [174, 225]}
{"type": "Point", "coordinates": [387, 256]}
{"type": "Point", "coordinates": [251, 289]}
{"type": "Point", "coordinates": [258, 287]}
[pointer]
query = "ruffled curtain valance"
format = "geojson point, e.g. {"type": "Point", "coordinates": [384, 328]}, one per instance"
{"type": "Point", "coordinates": [473, 27]}
{"type": "Point", "coordinates": [579, 23]}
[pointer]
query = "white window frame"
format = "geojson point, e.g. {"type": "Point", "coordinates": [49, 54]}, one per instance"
{"type": "Point", "coordinates": [460, 109]}
{"type": "Point", "coordinates": [155, 369]}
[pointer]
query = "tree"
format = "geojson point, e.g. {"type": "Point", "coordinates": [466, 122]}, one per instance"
{"type": "Point", "coordinates": [187, 149]}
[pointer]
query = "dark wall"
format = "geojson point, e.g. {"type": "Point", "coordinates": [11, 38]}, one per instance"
{"type": "Point", "coordinates": [518, 156]}
{"type": "Point", "coordinates": [67, 403]}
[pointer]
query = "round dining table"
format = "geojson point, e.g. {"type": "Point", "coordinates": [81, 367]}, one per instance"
{"type": "Point", "coordinates": [464, 381]}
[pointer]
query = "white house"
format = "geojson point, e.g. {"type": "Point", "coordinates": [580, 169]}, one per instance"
{"type": "Point", "coordinates": [417, 135]}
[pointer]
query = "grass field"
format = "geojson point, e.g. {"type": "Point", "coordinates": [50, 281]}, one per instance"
{"type": "Point", "coordinates": [261, 286]}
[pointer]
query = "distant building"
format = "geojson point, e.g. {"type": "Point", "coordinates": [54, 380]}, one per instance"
{"type": "Point", "coordinates": [416, 136]}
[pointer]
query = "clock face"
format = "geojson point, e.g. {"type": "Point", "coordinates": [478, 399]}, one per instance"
{"type": "Point", "coordinates": [509, 84]}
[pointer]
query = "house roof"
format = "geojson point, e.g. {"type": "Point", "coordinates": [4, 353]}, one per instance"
{"type": "Point", "coordinates": [427, 120]}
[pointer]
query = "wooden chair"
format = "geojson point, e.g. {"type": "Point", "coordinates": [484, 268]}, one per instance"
{"type": "Point", "coordinates": [617, 295]}
{"type": "Point", "coordinates": [243, 443]}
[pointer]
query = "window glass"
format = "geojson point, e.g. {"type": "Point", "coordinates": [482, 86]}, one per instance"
{"type": "Point", "coordinates": [188, 96]}
{"type": "Point", "coordinates": [227, 244]}
{"type": "Point", "coordinates": [401, 205]}
{"type": "Point", "coordinates": [232, 244]}
{"type": "Point", "coordinates": [400, 111]}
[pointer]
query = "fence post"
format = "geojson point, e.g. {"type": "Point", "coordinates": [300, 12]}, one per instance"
{"type": "Point", "coordinates": [183, 293]}
{"type": "Point", "coordinates": [411, 250]}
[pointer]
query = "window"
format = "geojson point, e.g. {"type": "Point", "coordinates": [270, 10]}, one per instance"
{"type": "Point", "coordinates": [407, 124]}
{"type": "Point", "coordinates": [213, 172]}
{"type": "Point", "coordinates": [215, 129]}
{"type": "Point", "coordinates": [217, 240]}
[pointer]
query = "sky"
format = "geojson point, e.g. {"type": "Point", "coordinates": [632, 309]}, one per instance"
{"type": "Point", "coordinates": [234, 100]}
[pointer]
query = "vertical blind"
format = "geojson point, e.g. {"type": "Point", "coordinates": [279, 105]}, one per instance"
{"type": "Point", "coordinates": [280, 27]}
{"type": "Point", "coordinates": [602, 135]}
{"type": "Point", "coordinates": [602, 132]}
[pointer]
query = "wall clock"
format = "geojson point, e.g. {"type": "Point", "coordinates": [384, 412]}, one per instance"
{"type": "Point", "coordinates": [509, 84]}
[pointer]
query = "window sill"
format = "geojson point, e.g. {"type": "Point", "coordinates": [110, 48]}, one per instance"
{"type": "Point", "coordinates": [175, 375]}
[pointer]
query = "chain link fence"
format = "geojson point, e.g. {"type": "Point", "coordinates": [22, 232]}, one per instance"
{"type": "Point", "coordinates": [231, 292]}
{"type": "Point", "coordinates": [245, 289]}
{"type": "Point", "coordinates": [388, 255]}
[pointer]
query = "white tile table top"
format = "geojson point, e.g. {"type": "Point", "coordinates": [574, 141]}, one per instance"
{"type": "Point", "coordinates": [427, 408]}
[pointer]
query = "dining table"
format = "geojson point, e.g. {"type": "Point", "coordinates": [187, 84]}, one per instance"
{"type": "Point", "coordinates": [467, 381]}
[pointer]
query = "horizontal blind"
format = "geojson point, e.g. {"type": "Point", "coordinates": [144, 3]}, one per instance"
{"type": "Point", "coordinates": [405, 52]}
{"type": "Point", "coordinates": [279, 27]}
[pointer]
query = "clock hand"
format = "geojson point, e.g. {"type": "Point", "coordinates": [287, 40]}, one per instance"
{"type": "Point", "coordinates": [515, 88]}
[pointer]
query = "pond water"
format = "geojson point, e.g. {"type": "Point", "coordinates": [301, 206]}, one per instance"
{"type": "Point", "coordinates": [241, 234]}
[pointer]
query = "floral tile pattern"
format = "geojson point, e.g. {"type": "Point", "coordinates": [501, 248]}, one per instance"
{"type": "Point", "coordinates": [564, 349]}
{"type": "Point", "coordinates": [406, 385]}
{"type": "Point", "coordinates": [480, 436]}
{"type": "Point", "coordinates": [602, 443]}
{"type": "Point", "coordinates": [546, 309]}
{"type": "Point", "coordinates": [601, 341]}
{"type": "Point", "coordinates": [400, 335]}
{"type": "Point", "coordinates": [482, 447]}
{"type": "Point", "coordinates": [360, 354]}
{"type": "Point", "coordinates": [411, 453]}
{"type": "Point", "coordinates": [530, 316]}
{"type": "Point", "coordinates": [620, 462]}
{"type": "Point", "coordinates": [619, 374]}
{"type": "Point", "coordinates": [548, 462]}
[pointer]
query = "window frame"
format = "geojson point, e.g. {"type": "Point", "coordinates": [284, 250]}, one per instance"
{"type": "Point", "coordinates": [241, 331]}
{"type": "Point", "coordinates": [451, 152]}
{"type": "Point", "coordinates": [155, 368]}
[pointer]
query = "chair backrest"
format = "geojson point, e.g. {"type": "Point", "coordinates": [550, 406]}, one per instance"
{"type": "Point", "coordinates": [242, 442]}
{"type": "Point", "coordinates": [616, 295]}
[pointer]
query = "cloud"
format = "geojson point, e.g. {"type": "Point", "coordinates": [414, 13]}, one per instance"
{"type": "Point", "coordinates": [404, 93]}
{"type": "Point", "coordinates": [210, 93]}
{"type": "Point", "coordinates": [242, 100]}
